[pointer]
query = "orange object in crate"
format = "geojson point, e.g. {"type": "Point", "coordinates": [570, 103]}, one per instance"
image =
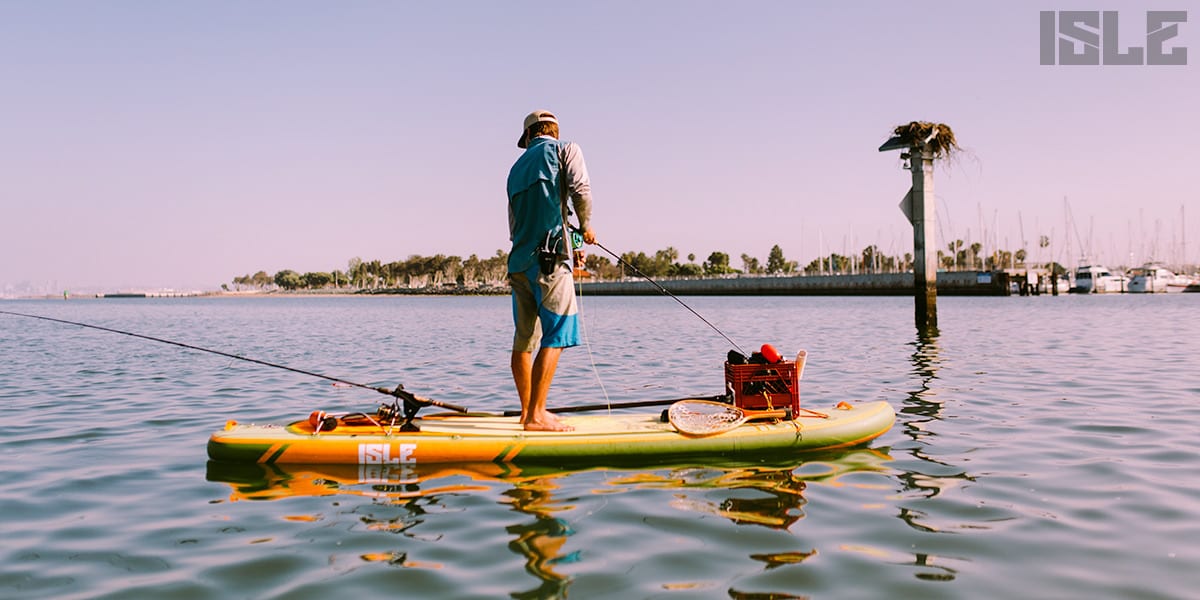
{"type": "Point", "coordinates": [766, 387]}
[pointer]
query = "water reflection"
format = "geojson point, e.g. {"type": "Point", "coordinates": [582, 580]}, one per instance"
{"type": "Point", "coordinates": [927, 476]}
{"type": "Point", "coordinates": [928, 331]}
{"type": "Point", "coordinates": [919, 416]}
{"type": "Point", "coordinates": [541, 540]}
{"type": "Point", "coordinates": [399, 498]}
{"type": "Point", "coordinates": [393, 483]}
{"type": "Point", "coordinates": [532, 489]}
{"type": "Point", "coordinates": [926, 361]}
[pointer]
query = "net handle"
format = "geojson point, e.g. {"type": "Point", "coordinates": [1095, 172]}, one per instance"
{"type": "Point", "coordinates": [700, 418]}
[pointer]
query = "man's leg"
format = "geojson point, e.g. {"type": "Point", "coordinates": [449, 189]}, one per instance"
{"type": "Point", "coordinates": [540, 373]}
{"type": "Point", "coordinates": [543, 310]}
{"type": "Point", "coordinates": [522, 372]}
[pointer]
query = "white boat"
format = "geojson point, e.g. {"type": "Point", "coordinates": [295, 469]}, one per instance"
{"type": "Point", "coordinates": [1153, 278]}
{"type": "Point", "coordinates": [1054, 285]}
{"type": "Point", "coordinates": [1097, 279]}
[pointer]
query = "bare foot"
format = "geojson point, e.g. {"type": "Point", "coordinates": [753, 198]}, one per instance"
{"type": "Point", "coordinates": [546, 422]}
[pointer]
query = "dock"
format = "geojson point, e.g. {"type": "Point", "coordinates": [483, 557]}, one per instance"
{"type": "Point", "coordinates": [155, 294]}
{"type": "Point", "coordinates": [949, 283]}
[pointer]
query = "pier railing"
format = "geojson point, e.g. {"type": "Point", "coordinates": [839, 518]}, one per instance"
{"type": "Point", "coordinates": [956, 283]}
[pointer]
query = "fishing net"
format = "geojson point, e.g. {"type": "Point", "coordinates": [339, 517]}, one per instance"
{"type": "Point", "coordinates": [701, 417]}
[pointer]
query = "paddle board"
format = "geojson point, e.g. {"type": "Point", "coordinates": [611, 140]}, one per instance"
{"type": "Point", "coordinates": [455, 438]}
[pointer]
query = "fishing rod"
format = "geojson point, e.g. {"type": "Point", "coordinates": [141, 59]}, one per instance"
{"type": "Point", "coordinates": [410, 399]}
{"type": "Point", "coordinates": [667, 292]}
{"type": "Point", "coordinates": [634, 404]}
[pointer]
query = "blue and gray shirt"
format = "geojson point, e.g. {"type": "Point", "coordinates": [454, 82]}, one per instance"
{"type": "Point", "coordinates": [539, 184]}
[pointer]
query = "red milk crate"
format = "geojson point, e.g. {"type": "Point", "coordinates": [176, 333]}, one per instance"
{"type": "Point", "coordinates": [764, 387]}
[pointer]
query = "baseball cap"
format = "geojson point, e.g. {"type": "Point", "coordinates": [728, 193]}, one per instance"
{"type": "Point", "coordinates": [537, 116]}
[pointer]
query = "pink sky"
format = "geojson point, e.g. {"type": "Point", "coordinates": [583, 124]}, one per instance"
{"type": "Point", "coordinates": [182, 144]}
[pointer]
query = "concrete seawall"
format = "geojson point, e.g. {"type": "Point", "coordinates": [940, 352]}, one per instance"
{"type": "Point", "coordinates": [957, 283]}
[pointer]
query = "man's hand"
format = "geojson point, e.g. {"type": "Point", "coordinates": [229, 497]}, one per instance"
{"type": "Point", "coordinates": [589, 236]}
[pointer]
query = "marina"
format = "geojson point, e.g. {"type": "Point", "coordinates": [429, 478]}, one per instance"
{"type": "Point", "coordinates": [1088, 279]}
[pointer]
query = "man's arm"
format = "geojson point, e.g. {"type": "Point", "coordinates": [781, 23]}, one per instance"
{"type": "Point", "coordinates": [578, 187]}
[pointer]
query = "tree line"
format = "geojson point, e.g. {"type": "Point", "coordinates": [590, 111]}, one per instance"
{"type": "Point", "coordinates": [441, 271]}
{"type": "Point", "coordinates": [961, 256]}
{"type": "Point", "coordinates": [415, 272]}
{"type": "Point", "coordinates": [665, 263]}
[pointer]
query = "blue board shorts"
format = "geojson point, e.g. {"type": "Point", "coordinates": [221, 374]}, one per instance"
{"type": "Point", "coordinates": [544, 309]}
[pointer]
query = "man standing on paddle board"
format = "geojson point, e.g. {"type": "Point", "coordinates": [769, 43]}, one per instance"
{"type": "Point", "coordinates": [539, 265]}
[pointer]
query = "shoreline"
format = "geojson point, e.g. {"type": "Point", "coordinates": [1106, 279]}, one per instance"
{"type": "Point", "coordinates": [268, 294]}
{"type": "Point", "coordinates": [953, 283]}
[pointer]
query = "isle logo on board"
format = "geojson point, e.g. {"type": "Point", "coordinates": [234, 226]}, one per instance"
{"type": "Point", "coordinates": [381, 454]}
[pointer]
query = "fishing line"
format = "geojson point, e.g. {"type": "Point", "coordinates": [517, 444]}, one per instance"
{"type": "Point", "coordinates": [398, 392]}
{"type": "Point", "coordinates": [667, 292]}
{"type": "Point", "coordinates": [588, 345]}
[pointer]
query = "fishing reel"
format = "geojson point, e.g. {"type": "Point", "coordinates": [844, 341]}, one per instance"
{"type": "Point", "coordinates": [402, 409]}
{"type": "Point", "coordinates": [390, 413]}
{"type": "Point", "coordinates": [394, 412]}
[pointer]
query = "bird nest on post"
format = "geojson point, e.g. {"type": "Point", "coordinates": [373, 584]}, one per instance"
{"type": "Point", "coordinates": [915, 133]}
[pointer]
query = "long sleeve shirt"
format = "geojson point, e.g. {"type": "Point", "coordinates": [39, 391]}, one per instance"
{"type": "Point", "coordinates": [544, 179]}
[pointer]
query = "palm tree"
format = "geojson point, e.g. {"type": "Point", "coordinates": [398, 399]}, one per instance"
{"type": "Point", "coordinates": [955, 252]}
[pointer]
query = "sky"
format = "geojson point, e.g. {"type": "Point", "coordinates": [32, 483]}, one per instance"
{"type": "Point", "coordinates": [148, 145]}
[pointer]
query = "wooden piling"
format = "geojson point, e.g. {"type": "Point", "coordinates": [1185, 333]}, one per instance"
{"type": "Point", "coordinates": [922, 214]}
{"type": "Point", "coordinates": [921, 143]}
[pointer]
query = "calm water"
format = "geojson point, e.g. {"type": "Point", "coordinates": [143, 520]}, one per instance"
{"type": "Point", "coordinates": [1044, 448]}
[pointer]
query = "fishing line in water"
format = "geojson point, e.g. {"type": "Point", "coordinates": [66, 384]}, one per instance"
{"type": "Point", "coordinates": [676, 298]}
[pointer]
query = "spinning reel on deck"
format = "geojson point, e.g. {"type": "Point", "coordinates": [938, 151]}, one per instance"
{"type": "Point", "coordinates": [392, 412]}
{"type": "Point", "coordinates": [403, 409]}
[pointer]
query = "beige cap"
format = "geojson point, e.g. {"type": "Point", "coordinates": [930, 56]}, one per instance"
{"type": "Point", "coordinates": [537, 116]}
